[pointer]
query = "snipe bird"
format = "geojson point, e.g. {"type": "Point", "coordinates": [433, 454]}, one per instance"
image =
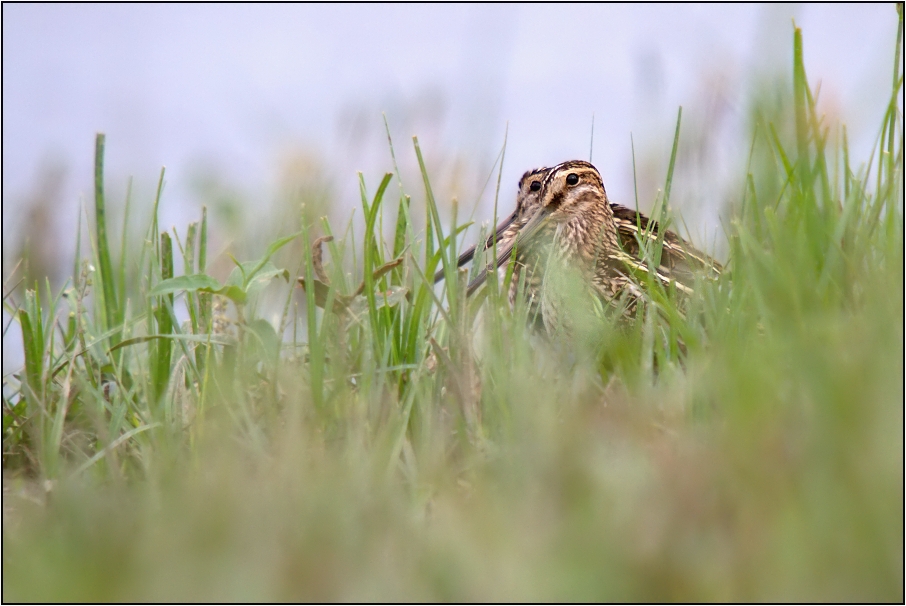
{"type": "Point", "coordinates": [678, 262]}
{"type": "Point", "coordinates": [594, 240]}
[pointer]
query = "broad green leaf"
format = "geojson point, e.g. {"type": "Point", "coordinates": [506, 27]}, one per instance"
{"type": "Point", "coordinates": [201, 283]}
{"type": "Point", "coordinates": [250, 270]}
{"type": "Point", "coordinates": [190, 283]}
{"type": "Point", "coordinates": [262, 336]}
{"type": "Point", "coordinates": [234, 293]}
{"type": "Point", "coordinates": [263, 276]}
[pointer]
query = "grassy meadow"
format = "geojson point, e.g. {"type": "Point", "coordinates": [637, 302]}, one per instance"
{"type": "Point", "coordinates": [170, 438]}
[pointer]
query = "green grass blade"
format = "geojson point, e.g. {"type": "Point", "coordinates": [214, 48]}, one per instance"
{"type": "Point", "coordinates": [162, 350]}
{"type": "Point", "coordinates": [800, 88]}
{"type": "Point", "coordinates": [433, 224]}
{"type": "Point", "coordinates": [108, 280]}
{"type": "Point", "coordinates": [124, 237]}
{"type": "Point", "coordinates": [316, 363]}
{"type": "Point", "coordinates": [32, 343]}
{"type": "Point", "coordinates": [672, 164]}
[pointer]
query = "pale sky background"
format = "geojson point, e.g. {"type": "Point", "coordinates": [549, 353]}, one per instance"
{"type": "Point", "coordinates": [235, 89]}
{"type": "Point", "coordinates": [243, 93]}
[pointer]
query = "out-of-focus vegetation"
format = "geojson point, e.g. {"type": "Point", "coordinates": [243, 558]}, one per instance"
{"type": "Point", "coordinates": [165, 441]}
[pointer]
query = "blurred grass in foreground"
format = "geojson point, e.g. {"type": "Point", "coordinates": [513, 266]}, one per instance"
{"type": "Point", "coordinates": [374, 456]}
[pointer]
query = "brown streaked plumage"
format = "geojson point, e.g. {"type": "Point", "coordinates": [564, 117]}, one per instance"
{"type": "Point", "coordinates": [574, 202]}
{"type": "Point", "coordinates": [678, 262]}
{"type": "Point", "coordinates": [593, 237]}
{"type": "Point", "coordinates": [679, 258]}
{"type": "Point", "coordinates": [532, 256]}
{"type": "Point", "coordinates": [575, 216]}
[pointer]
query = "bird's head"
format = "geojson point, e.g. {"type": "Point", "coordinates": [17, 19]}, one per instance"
{"type": "Point", "coordinates": [568, 190]}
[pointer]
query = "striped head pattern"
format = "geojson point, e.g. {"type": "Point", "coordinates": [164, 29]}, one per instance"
{"type": "Point", "coordinates": [572, 189]}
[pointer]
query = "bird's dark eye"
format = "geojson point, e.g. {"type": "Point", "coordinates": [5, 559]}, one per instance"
{"type": "Point", "coordinates": [535, 186]}
{"type": "Point", "coordinates": [572, 179]}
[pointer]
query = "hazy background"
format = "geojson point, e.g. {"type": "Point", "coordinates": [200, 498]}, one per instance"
{"type": "Point", "coordinates": [246, 104]}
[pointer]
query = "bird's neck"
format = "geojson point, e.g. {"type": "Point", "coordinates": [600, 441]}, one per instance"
{"type": "Point", "coordinates": [591, 229]}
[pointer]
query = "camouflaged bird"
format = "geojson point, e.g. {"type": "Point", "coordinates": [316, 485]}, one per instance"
{"type": "Point", "coordinates": [584, 256]}
{"type": "Point", "coordinates": [678, 263]}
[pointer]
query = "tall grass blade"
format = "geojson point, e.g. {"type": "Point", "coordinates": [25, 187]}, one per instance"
{"type": "Point", "coordinates": [108, 281]}
{"type": "Point", "coordinates": [162, 348]}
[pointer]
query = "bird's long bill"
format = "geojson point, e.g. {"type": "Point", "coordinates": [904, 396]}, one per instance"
{"type": "Point", "coordinates": [469, 253]}
{"type": "Point", "coordinates": [525, 234]}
